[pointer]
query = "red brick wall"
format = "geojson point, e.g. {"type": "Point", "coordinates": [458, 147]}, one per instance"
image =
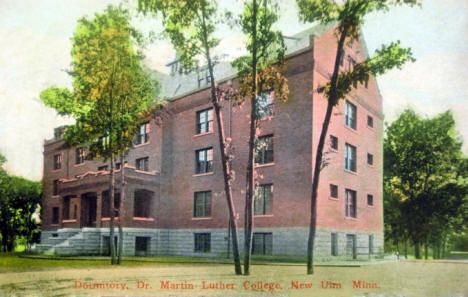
{"type": "Point", "coordinates": [295, 127]}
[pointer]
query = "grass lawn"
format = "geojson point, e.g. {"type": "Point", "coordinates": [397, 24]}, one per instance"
{"type": "Point", "coordinates": [176, 276]}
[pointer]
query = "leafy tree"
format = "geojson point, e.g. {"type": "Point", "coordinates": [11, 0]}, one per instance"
{"type": "Point", "coordinates": [190, 25]}
{"type": "Point", "coordinates": [260, 71]}
{"type": "Point", "coordinates": [424, 166]}
{"type": "Point", "coordinates": [19, 200]}
{"type": "Point", "coordinates": [348, 15]}
{"type": "Point", "coordinates": [111, 92]}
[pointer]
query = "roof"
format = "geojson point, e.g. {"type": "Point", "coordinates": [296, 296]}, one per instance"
{"type": "Point", "coordinates": [177, 84]}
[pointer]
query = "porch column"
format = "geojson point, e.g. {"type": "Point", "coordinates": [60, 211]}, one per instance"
{"type": "Point", "coordinates": [98, 209]}
{"type": "Point", "coordinates": [126, 211]}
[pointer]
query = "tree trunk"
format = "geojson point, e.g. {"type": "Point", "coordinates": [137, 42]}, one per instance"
{"type": "Point", "coordinates": [426, 251]}
{"type": "Point", "coordinates": [227, 185]}
{"type": "Point", "coordinates": [250, 182]}
{"type": "Point", "coordinates": [417, 251]}
{"type": "Point", "coordinates": [227, 173]}
{"type": "Point", "coordinates": [406, 249]}
{"type": "Point", "coordinates": [332, 100]}
{"type": "Point", "coordinates": [121, 209]}
{"type": "Point", "coordinates": [398, 249]}
{"type": "Point", "coordinates": [111, 206]}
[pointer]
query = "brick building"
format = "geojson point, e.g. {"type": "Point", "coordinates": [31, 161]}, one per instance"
{"type": "Point", "coordinates": [175, 202]}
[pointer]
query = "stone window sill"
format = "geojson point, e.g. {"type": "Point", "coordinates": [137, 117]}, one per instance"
{"type": "Point", "coordinates": [203, 134]}
{"type": "Point", "coordinates": [203, 174]}
{"type": "Point", "coordinates": [264, 165]}
{"type": "Point", "coordinates": [143, 219]}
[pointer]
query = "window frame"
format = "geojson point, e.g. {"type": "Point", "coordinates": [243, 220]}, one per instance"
{"type": "Point", "coordinates": [206, 204]}
{"type": "Point", "coordinates": [264, 154]}
{"type": "Point", "coordinates": [55, 215]}
{"type": "Point", "coordinates": [58, 161]}
{"type": "Point", "coordinates": [266, 244]}
{"type": "Point", "coordinates": [370, 198]}
{"type": "Point", "coordinates": [370, 159]}
{"type": "Point", "coordinates": [350, 204]}
{"type": "Point", "coordinates": [142, 137]}
{"type": "Point", "coordinates": [266, 204]}
{"type": "Point", "coordinates": [103, 168]}
{"type": "Point", "coordinates": [138, 164]}
{"type": "Point", "coordinates": [208, 123]}
{"type": "Point", "coordinates": [146, 211]}
{"type": "Point", "coordinates": [370, 121]}
{"type": "Point", "coordinates": [334, 190]}
{"type": "Point", "coordinates": [205, 165]}
{"type": "Point", "coordinates": [334, 143]}
{"type": "Point", "coordinates": [202, 242]}
{"type": "Point", "coordinates": [334, 243]}
{"type": "Point", "coordinates": [350, 115]}
{"type": "Point", "coordinates": [80, 155]}
{"type": "Point", "coordinates": [55, 191]}
{"type": "Point", "coordinates": [350, 158]}
{"type": "Point", "coordinates": [265, 99]}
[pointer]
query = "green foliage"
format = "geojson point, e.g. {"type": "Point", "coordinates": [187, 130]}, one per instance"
{"type": "Point", "coordinates": [19, 200]}
{"type": "Point", "coordinates": [262, 69]}
{"type": "Point", "coordinates": [388, 57]}
{"type": "Point", "coordinates": [111, 91]}
{"type": "Point", "coordinates": [190, 25]}
{"type": "Point", "coordinates": [425, 178]}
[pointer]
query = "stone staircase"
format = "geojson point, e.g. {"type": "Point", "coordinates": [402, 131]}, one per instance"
{"type": "Point", "coordinates": [70, 242]}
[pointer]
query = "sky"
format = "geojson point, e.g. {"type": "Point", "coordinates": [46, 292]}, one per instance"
{"type": "Point", "coordinates": [35, 44]}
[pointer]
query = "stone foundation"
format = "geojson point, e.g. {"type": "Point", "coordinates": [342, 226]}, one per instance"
{"type": "Point", "coordinates": [181, 242]}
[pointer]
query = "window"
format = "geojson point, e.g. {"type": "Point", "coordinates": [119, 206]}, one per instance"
{"type": "Point", "coordinates": [118, 166]}
{"type": "Point", "coordinates": [264, 105]}
{"type": "Point", "coordinates": [350, 157]}
{"type": "Point", "coordinates": [202, 242]}
{"type": "Point", "coordinates": [350, 115]}
{"type": "Point", "coordinates": [351, 63]}
{"type": "Point", "coordinates": [370, 121]}
{"type": "Point", "coordinates": [103, 168]}
{"type": "Point", "coordinates": [350, 203]}
{"type": "Point", "coordinates": [79, 155]}
{"type": "Point", "coordinates": [66, 208]}
{"type": "Point", "coordinates": [55, 215]}
{"type": "Point", "coordinates": [204, 160]}
{"type": "Point", "coordinates": [142, 204]}
{"type": "Point", "coordinates": [370, 199]}
{"type": "Point", "coordinates": [142, 164]}
{"type": "Point", "coordinates": [334, 142]}
{"type": "Point", "coordinates": [75, 211]}
{"type": "Point", "coordinates": [264, 150]}
{"type": "Point", "coordinates": [370, 159]}
{"type": "Point", "coordinates": [205, 121]}
{"type": "Point", "coordinates": [371, 244]}
{"type": "Point", "coordinates": [263, 199]}
{"type": "Point", "coordinates": [141, 246]}
{"type": "Point", "coordinates": [104, 142]}
{"type": "Point", "coordinates": [262, 244]}
{"type": "Point", "coordinates": [57, 161]}
{"type": "Point", "coordinates": [334, 244]}
{"type": "Point", "coordinates": [202, 204]}
{"type": "Point", "coordinates": [105, 207]}
{"type": "Point", "coordinates": [55, 187]}
{"type": "Point", "coordinates": [143, 133]}
{"type": "Point", "coordinates": [333, 191]}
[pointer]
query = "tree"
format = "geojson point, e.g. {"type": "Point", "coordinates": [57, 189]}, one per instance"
{"type": "Point", "coordinates": [190, 25]}
{"type": "Point", "coordinates": [348, 15]}
{"type": "Point", "coordinates": [19, 200]}
{"type": "Point", "coordinates": [111, 92]}
{"type": "Point", "coordinates": [425, 169]}
{"type": "Point", "coordinates": [260, 71]}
